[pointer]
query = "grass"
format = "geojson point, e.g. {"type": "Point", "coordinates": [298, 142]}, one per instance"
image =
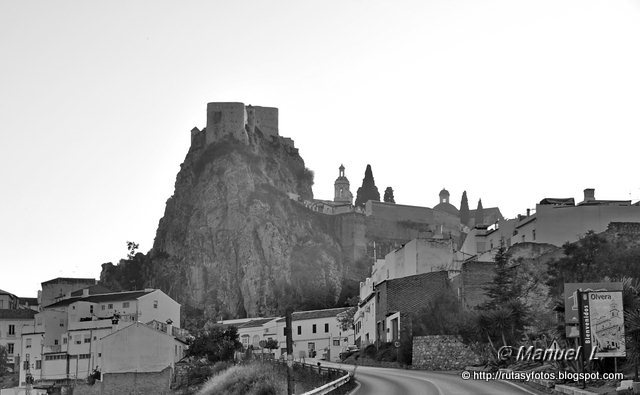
{"type": "Point", "coordinates": [263, 378]}
{"type": "Point", "coordinates": [252, 379]}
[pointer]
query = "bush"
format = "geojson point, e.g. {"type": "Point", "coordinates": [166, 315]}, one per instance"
{"type": "Point", "coordinates": [252, 379]}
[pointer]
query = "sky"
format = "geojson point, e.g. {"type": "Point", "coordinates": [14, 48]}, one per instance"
{"type": "Point", "coordinates": [511, 101]}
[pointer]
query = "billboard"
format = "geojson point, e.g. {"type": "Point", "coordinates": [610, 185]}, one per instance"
{"type": "Point", "coordinates": [602, 319]}
{"type": "Point", "coordinates": [571, 315]}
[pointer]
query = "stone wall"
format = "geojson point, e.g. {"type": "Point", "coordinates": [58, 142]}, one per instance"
{"type": "Point", "coordinates": [442, 352]}
{"type": "Point", "coordinates": [128, 384]}
{"type": "Point", "coordinates": [226, 119]}
{"type": "Point", "coordinates": [474, 277]}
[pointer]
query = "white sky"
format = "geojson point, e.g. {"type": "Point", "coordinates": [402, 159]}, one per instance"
{"type": "Point", "coordinates": [513, 101]}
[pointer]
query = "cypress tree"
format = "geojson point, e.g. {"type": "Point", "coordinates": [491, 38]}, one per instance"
{"type": "Point", "coordinates": [480, 213]}
{"type": "Point", "coordinates": [465, 215]}
{"type": "Point", "coordinates": [368, 190]}
{"type": "Point", "coordinates": [388, 195]}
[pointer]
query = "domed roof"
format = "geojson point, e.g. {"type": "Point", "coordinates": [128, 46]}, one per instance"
{"type": "Point", "coordinates": [443, 193]}
{"type": "Point", "coordinates": [448, 208]}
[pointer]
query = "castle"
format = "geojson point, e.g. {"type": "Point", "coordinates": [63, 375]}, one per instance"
{"type": "Point", "coordinates": [240, 122]}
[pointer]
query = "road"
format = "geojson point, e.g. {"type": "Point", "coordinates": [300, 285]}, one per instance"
{"type": "Point", "coordinates": [386, 381]}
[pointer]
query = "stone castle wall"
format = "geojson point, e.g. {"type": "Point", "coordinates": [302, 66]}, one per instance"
{"type": "Point", "coordinates": [263, 118]}
{"type": "Point", "coordinates": [442, 352]}
{"type": "Point", "coordinates": [226, 119]}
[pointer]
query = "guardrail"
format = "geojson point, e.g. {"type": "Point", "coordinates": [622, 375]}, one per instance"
{"type": "Point", "coordinates": [325, 389]}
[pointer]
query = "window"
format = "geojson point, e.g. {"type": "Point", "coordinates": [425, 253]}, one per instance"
{"type": "Point", "coordinates": [313, 328]}
{"type": "Point", "coordinates": [155, 304]}
{"type": "Point", "coordinates": [61, 322]}
{"type": "Point", "coordinates": [533, 234]}
{"type": "Point", "coordinates": [55, 342]}
{"type": "Point", "coordinates": [523, 238]}
{"type": "Point", "coordinates": [85, 356]}
{"type": "Point", "coordinates": [87, 339]}
{"type": "Point", "coordinates": [103, 307]}
{"type": "Point", "coordinates": [10, 348]}
{"type": "Point", "coordinates": [28, 343]}
{"type": "Point", "coordinates": [12, 330]}
{"type": "Point", "coordinates": [336, 342]}
{"type": "Point", "coordinates": [284, 331]}
{"type": "Point", "coordinates": [299, 330]}
{"type": "Point", "coordinates": [99, 354]}
{"type": "Point", "coordinates": [77, 339]}
{"type": "Point", "coordinates": [38, 364]}
{"type": "Point", "coordinates": [38, 320]}
{"type": "Point", "coordinates": [125, 305]}
{"type": "Point", "coordinates": [110, 305]}
{"type": "Point", "coordinates": [91, 309]}
{"type": "Point", "coordinates": [326, 328]}
{"type": "Point", "coordinates": [64, 340]}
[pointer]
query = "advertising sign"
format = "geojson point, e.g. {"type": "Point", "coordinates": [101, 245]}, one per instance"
{"type": "Point", "coordinates": [571, 315]}
{"type": "Point", "coordinates": [606, 318]}
{"type": "Point", "coordinates": [585, 322]}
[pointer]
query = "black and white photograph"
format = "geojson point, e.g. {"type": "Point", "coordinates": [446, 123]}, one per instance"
{"type": "Point", "coordinates": [354, 197]}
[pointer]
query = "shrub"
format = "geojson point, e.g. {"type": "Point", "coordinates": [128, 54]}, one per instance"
{"type": "Point", "coordinates": [252, 379]}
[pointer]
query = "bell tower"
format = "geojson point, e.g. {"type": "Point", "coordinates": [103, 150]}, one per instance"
{"type": "Point", "coordinates": [341, 187]}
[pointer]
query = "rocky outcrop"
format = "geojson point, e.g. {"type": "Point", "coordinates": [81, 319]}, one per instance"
{"type": "Point", "coordinates": [235, 243]}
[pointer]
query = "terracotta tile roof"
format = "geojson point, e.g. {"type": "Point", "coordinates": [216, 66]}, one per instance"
{"type": "Point", "coordinates": [255, 323]}
{"type": "Point", "coordinates": [313, 314]}
{"type": "Point", "coordinates": [17, 314]}
{"type": "Point", "coordinates": [99, 298]}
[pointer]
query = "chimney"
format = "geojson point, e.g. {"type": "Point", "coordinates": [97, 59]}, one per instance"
{"type": "Point", "coordinates": [169, 327]}
{"type": "Point", "coordinates": [85, 292]}
{"type": "Point", "coordinates": [528, 212]}
{"type": "Point", "coordinates": [589, 194]}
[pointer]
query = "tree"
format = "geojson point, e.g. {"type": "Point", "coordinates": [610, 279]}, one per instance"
{"type": "Point", "coordinates": [503, 316]}
{"type": "Point", "coordinates": [465, 214]}
{"type": "Point", "coordinates": [368, 190]}
{"type": "Point", "coordinates": [4, 360]}
{"type": "Point", "coordinates": [479, 213]}
{"type": "Point", "coordinates": [506, 285]}
{"type": "Point", "coordinates": [216, 344]}
{"type": "Point", "coordinates": [388, 195]}
{"type": "Point", "coordinates": [132, 248]}
{"type": "Point", "coordinates": [440, 317]}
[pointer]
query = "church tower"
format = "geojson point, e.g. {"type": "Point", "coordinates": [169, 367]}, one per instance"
{"type": "Point", "coordinates": [342, 192]}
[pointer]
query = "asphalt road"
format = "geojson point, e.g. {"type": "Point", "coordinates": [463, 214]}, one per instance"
{"type": "Point", "coordinates": [386, 381]}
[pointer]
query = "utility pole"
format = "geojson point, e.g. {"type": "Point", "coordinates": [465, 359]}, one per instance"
{"type": "Point", "coordinates": [289, 340]}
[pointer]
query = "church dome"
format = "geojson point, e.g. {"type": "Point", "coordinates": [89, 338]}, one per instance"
{"type": "Point", "coordinates": [444, 204]}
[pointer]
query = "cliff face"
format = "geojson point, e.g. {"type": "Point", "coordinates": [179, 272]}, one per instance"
{"type": "Point", "coordinates": [234, 243]}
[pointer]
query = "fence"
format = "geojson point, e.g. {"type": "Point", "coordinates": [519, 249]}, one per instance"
{"type": "Point", "coordinates": [333, 378]}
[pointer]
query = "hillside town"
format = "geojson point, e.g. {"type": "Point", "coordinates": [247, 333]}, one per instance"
{"type": "Point", "coordinates": [79, 334]}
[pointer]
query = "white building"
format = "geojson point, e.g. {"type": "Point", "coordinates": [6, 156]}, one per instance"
{"type": "Point", "coordinates": [365, 318]}
{"type": "Point", "coordinates": [64, 341]}
{"type": "Point", "coordinates": [554, 221]}
{"type": "Point", "coordinates": [315, 332]}
{"type": "Point", "coordinates": [12, 322]}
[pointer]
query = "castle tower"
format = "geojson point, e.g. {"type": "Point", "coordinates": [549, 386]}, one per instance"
{"type": "Point", "coordinates": [342, 192]}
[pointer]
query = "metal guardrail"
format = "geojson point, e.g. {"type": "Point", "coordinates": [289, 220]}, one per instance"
{"type": "Point", "coordinates": [325, 389]}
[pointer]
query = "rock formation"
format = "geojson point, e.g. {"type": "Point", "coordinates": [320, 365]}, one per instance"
{"type": "Point", "coordinates": [235, 239]}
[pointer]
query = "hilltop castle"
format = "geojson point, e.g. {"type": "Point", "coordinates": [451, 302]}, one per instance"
{"type": "Point", "coordinates": [240, 122]}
